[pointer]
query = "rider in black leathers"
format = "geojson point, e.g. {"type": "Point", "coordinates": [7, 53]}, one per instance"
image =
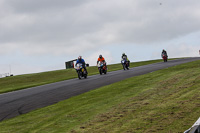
{"type": "Point", "coordinates": [164, 53]}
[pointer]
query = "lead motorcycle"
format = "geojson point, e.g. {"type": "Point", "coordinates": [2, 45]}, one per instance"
{"type": "Point", "coordinates": [125, 64]}
{"type": "Point", "coordinates": [81, 71]}
{"type": "Point", "coordinates": [102, 67]}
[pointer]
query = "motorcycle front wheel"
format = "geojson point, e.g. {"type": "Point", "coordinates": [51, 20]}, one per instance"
{"type": "Point", "coordinates": [100, 71]}
{"type": "Point", "coordinates": [79, 74]}
{"type": "Point", "coordinates": [123, 66]}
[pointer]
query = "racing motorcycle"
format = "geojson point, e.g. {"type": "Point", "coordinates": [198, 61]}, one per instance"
{"type": "Point", "coordinates": [81, 71]}
{"type": "Point", "coordinates": [102, 67]}
{"type": "Point", "coordinates": [125, 64]}
{"type": "Point", "coordinates": [164, 58]}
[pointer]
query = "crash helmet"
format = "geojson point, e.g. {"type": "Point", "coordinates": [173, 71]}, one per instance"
{"type": "Point", "coordinates": [79, 58]}
{"type": "Point", "coordinates": [123, 54]}
{"type": "Point", "coordinates": [100, 56]}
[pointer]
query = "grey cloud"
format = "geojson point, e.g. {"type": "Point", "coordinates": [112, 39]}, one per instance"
{"type": "Point", "coordinates": [70, 24]}
{"type": "Point", "coordinates": [32, 6]}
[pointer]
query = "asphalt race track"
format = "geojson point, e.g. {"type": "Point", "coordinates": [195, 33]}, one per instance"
{"type": "Point", "coordinates": [19, 102]}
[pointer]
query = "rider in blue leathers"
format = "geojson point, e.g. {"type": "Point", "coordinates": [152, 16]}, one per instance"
{"type": "Point", "coordinates": [82, 61]}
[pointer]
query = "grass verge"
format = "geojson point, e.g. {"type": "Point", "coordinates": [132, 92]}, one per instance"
{"type": "Point", "coordinates": [30, 80]}
{"type": "Point", "coordinates": [163, 101]}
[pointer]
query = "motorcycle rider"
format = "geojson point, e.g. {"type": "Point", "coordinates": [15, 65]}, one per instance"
{"type": "Point", "coordinates": [101, 59]}
{"type": "Point", "coordinates": [164, 53]}
{"type": "Point", "coordinates": [82, 61]}
{"type": "Point", "coordinates": [124, 57]}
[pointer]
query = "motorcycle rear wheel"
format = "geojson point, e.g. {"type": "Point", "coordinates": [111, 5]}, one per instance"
{"type": "Point", "coordinates": [105, 71]}
{"type": "Point", "coordinates": [85, 75]}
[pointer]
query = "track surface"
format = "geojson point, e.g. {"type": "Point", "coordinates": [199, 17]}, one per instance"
{"type": "Point", "coordinates": [19, 102]}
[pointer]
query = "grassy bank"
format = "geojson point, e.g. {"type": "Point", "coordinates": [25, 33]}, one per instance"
{"type": "Point", "coordinates": [30, 80]}
{"type": "Point", "coordinates": [165, 101]}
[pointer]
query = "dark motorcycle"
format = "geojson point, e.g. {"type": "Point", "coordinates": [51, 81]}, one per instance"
{"type": "Point", "coordinates": [81, 71]}
{"type": "Point", "coordinates": [164, 58]}
{"type": "Point", "coordinates": [125, 64]}
{"type": "Point", "coordinates": [102, 68]}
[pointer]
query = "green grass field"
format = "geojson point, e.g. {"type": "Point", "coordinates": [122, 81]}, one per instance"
{"type": "Point", "coordinates": [165, 101]}
{"type": "Point", "coordinates": [30, 80]}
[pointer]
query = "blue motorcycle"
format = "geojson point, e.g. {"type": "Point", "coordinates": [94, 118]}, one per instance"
{"type": "Point", "coordinates": [81, 71]}
{"type": "Point", "coordinates": [125, 64]}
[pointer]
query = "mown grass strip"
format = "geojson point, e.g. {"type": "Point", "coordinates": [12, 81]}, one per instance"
{"type": "Point", "coordinates": [30, 80]}
{"type": "Point", "coordinates": [163, 101]}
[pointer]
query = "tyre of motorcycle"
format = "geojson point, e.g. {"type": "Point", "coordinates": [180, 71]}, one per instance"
{"type": "Point", "coordinates": [105, 71]}
{"type": "Point", "coordinates": [85, 74]}
{"type": "Point", "coordinates": [123, 66]}
{"type": "Point", "coordinates": [100, 71]}
{"type": "Point", "coordinates": [127, 66]}
{"type": "Point", "coordinates": [79, 74]}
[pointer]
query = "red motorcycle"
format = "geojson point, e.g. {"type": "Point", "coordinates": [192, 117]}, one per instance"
{"type": "Point", "coordinates": [164, 58]}
{"type": "Point", "coordinates": [102, 68]}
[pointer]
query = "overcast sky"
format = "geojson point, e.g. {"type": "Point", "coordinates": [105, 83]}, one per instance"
{"type": "Point", "coordinates": [41, 35]}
